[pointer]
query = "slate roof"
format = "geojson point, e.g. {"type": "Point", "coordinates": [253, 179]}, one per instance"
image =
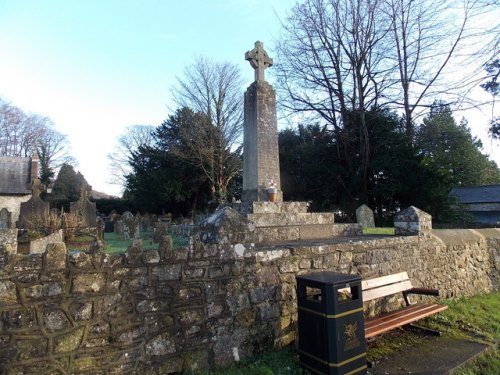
{"type": "Point", "coordinates": [15, 175]}
{"type": "Point", "coordinates": [477, 194]}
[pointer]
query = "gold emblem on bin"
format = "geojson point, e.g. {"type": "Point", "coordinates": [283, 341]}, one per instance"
{"type": "Point", "coordinates": [351, 331]}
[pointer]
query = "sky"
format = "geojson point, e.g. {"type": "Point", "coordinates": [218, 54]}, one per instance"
{"type": "Point", "coordinates": [97, 66]}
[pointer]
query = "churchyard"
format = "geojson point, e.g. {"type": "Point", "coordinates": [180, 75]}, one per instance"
{"type": "Point", "coordinates": [193, 297]}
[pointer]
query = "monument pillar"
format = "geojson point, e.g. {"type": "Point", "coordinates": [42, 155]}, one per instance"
{"type": "Point", "coordinates": [261, 167]}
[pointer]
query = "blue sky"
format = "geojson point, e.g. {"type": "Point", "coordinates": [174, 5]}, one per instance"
{"type": "Point", "coordinates": [97, 66]}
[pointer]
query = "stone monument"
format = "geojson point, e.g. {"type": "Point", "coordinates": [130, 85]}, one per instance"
{"type": "Point", "coordinates": [364, 216]}
{"type": "Point", "coordinates": [33, 213]}
{"type": "Point", "coordinates": [261, 167]}
{"type": "Point", "coordinates": [84, 208]}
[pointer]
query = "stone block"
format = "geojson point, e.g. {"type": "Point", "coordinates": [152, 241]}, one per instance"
{"type": "Point", "coordinates": [412, 222]}
{"type": "Point", "coordinates": [167, 272]}
{"type": "Point", "coordinates": [69, 341]}
{"type": "Point", "coordinates": [81, 310]}
{"type": "Point", "coordinates": [55, 257]}
{"type": "Point", "coordinates": [18, 319]}
{"type": "Point", "coordinates": [151, 257]}
{"type": "Point", "coordinates": [160, 345]}
{"type": "Point", "coordinates": [134, 251]}
{"type": "Point", "coordinates": [311, 232]}
{"type": "Point", "coordinates": [8, 293]}
{"type": "Point", "coordinates": [261, 294]}
{"type": "Point", "coordinates": [279, 207]}
{"type": "Point", "coordinates": [80, 259]}
{"type": "Point", "coordinates": [30, 349]}
{"type": "Point", "coordinates": [55, 320]}
{"type": "Point", "coordinates": [28, 263]}
{"type": "Point", "coordinates": [88, 283]}
{"type": "Point", "coordinates": [276, 234]}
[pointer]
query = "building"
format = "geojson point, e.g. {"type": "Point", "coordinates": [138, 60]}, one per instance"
{"type": "Point", "coordinates": [17, 175]}
{"type": "Point", "coordinates": [483, 202]}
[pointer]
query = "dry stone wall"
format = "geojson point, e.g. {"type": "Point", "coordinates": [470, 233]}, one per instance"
{"type": "Point", "coordinates": [208, 304]}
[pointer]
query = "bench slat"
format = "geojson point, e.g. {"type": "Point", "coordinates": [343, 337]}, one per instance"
{"type": "Point", "coordinates": [399, 318]}
{"type": "Point", "coordinates": [387, 290]}
{"type": "Point", "coordinates": [384, 280]}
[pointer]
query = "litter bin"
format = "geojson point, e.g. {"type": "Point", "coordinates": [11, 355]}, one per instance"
{"type": "Point", "coordinates": [331, 325]}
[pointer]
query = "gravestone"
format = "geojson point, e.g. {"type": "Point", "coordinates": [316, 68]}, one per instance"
{"type": "Point", "coordinates": [85, 209]}
{"type": "Point", "coordinates": [364, 216]}
{"type": "Point", "coordinates": [5, 219]}
{"type": "Point", "coordinates": [130, 226]}
{"type": "Point", "coordinates": [261, 169]}
{"type": "Point", "coordinates": [34, 213]}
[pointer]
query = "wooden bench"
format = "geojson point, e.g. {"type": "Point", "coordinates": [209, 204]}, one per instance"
{"type": "Point", "coordinates": [388, 285]}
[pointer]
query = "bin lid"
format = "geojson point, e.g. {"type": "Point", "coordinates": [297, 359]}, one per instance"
{"type": "Point", "coordinates": [330, 277]}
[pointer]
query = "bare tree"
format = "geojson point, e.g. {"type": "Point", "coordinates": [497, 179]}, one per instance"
{"type": "Point", "coordinates": [341, 55]}
{"type": "Point", "coordinates": [214, 90]}
{"type": "Point", "coordinates": [432, 44]}
{"type": "Point", "coordinates": [134, 137]}
{"type": "Point", "coordinates": [21, 133]}
{"type": "Point", "coordinates": [331, 63]}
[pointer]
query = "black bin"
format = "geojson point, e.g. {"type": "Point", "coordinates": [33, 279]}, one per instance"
{"type": "Point", "coordinates": [331, 324]}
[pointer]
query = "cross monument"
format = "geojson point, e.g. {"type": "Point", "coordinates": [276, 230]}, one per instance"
{"type": "Point", "coordinates": [259, 60]}
{"type": "Point", "coordinates": [261, 169]}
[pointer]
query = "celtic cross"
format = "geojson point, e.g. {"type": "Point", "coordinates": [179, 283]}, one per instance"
{"type": "Point", "coordinates": [259, 60]}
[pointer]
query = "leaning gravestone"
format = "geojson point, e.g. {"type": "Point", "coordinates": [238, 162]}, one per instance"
{"type": "Point", "coordinates": [364, 216]}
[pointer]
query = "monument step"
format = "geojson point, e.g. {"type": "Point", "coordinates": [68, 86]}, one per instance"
{"type": "Point", "coordinates": [272, 234]}
{"type": "Point", "coordinates": [279, 207]}
{"type": "Point", "coordinates": [302, 218]}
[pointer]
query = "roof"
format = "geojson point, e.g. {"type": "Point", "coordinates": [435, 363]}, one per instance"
{"type": "Point", "coordinates": [477, 194]}
{"type": "Point", "coordinates": [15, 175]}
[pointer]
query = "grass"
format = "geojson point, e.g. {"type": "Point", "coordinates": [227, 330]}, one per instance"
{"type": "Point", "coordinates": [389, 231]}
{"type": "Point", "coordinates": [114, 243]}
{"type": "Point", "coordinates": [475, 318]}
{"type": "Point", "coordinates": [283, 362]}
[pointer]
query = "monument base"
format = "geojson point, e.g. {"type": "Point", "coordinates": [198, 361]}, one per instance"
{"type": "Point", "coordinates": [260, 195]}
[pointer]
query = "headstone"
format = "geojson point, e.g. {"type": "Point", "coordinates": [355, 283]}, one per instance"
{"type": "Point", "coordinates": [130, 225]}
{"type": "Point", "coordinates": [261, 169]}
{"type": "Point", "coordinates": [364, 216]}
{"type": "Point", "coordinates": [100, 228]}
{"type": "Point", "coordinates": [412, 222]}
{"type": "Point", "coordinates": [5, 219]}
{"type": "Point", "coordinates": [85, 209]}
{"type": "Point", "coordinates": [35, 212]}
{"type": "Point", "coordinates": [160, 230]}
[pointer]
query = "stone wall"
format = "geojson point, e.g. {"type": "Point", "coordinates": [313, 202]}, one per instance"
{"type": "Point", "coordinates": [208, 304]}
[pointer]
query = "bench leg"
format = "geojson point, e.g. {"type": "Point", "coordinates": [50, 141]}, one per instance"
{"type": "Point", "coordinates": [426, 330]}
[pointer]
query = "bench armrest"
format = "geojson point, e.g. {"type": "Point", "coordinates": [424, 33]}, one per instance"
{"type": "Point", "coordinates": [426, 291]}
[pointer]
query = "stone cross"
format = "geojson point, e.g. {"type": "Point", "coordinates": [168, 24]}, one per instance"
{"type": "Point", "coordinates": [259, 60]}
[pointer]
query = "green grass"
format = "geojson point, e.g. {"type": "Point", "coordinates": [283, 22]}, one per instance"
{"type": "Point", "coordinates": [474, 318]}
{"type": "Point", "coordinates": [389, 231]}
{"type": "Point", "coordinates": [114, 243]}
{"type": "Point", "coordinates": [283, 362]}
